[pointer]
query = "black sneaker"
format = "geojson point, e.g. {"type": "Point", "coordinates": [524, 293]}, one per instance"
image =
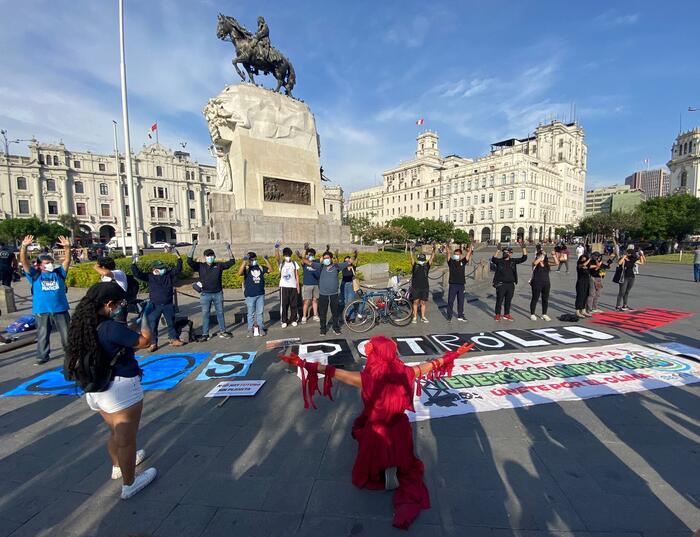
{"type": "Point", "coordinates": [41, 362]}
{"type": "Point", "coordinates": [203, 338]}
{"type": "Point", "coordinates": [323, 332]}
{"type": "Point", "coordinates": [225, 334]}
{"type": "Point", "coordinates": [618, 308]}
{"type": "Point", "coordinates": [336, 331]}
{"type": "Point", "coordinates": [449, 320]}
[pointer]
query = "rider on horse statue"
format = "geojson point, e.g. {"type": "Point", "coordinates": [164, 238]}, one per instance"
{"type": "Point", "coordinates": [261, 41]}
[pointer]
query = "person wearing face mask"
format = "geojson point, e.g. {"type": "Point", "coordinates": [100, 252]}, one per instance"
{"type": "Point", "coordinates": [108, 271]}
{"type": "Point", "coordinates": [254, 290]}
{"type": "Point", "coordinates": [505, 279]}
{"type": "Point", "coordinates": [210, 274]}
{"type": "Point", "coordinates": [420, 285]}
{"type": "Point", "coordinates": [540, 282]}
{"type": "Point", "coordinates": [309, 285]}
{"type": "Point", "coordinates": [289, 286]}
{"type": "Point", "coordinates": [161, 284]}
{"type": "Point", "coordinates": [456, 264]}
{"type": "Point", "coordinates": [49, 300]}
{"type": "Point", "coordinates": [583, 285]}
{"type": "Point", "coordinates": [328, 289]}
{"type": "Point", "coordinates": [347, 292]}
{"type": "Point", "coordinates": [94, 332]}
{"type": "Point", "coordinates": [597, 271]}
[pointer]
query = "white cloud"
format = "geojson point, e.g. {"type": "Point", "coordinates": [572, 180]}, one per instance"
{"type": "Point", "coordinates": [612, 18]}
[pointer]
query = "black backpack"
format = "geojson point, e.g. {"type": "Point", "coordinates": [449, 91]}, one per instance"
{"type": "Point", "coordinates": [92, 372]}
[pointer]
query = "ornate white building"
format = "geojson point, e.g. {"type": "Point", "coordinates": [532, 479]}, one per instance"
{"type": "Point", "coordinates": [171, 191]}
{"type": "Point", "coordinates": [685, 163]}
{"type": "Point", "coordinates": [524, 188]}
{"type": "Point", "coordinates": [333, 202]}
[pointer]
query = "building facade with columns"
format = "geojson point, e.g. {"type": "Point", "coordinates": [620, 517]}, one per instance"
{"type": "Point", "coordinates": [170, 190]}
{"type": "Point", "coordinates": [685, 163]}
{"type": "Point", "coordinates": [524, 188]}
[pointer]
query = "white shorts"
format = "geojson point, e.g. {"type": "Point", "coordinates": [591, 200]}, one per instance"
{"type": "Point", "coordinates": [122, 393]}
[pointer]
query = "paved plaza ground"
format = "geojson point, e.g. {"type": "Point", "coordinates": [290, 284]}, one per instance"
{"type": "Point", "coordinates": [616, 466]}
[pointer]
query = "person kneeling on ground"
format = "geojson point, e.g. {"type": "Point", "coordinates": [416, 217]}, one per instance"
{"type": "Point", "coordinates": [505, 279]}
{"type": "Point", "coordinates": [95, 336]}
{"type": "Point", "coordinates": [254, 290]}
{"type": "Point", "coordinates": [210, 274]}
{"type": "Point", "coordinates": [161, 284]}
{"type": "Point", "coordinates": [420, 285]}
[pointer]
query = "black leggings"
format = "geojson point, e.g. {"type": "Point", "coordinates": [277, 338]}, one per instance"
{"type": "Point", "coordinates": [583, 285]}
{"type": "Point", "coordinates": [504, 294]}
{"type": "Point", "coordinates": [537, 290]}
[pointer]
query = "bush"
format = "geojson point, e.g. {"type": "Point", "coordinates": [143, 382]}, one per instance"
{"type": "Point", "coordinates": [84, 275]}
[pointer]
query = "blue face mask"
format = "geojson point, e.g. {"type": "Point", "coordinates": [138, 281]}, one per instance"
{"type": "Point", "coordinates": [326, 261]}
{"type": "Point", "coordinates": [311, 258]}
{"type": "Point", "coordinates": [119, 311]}
{"type": "Point", "coordinates": [210, 259]}
{"type": "Point", "coordinates": [253, 262]}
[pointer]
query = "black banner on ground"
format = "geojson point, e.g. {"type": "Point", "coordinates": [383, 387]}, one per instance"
{"type": "Point", "coordinates": [338, 351]}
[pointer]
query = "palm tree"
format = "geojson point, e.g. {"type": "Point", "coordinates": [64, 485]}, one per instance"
{"type": "Point", "coordinates": [72, 223]}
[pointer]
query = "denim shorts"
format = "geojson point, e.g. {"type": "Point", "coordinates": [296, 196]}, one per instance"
{"type": "Point", "coordinates": [122, 393]}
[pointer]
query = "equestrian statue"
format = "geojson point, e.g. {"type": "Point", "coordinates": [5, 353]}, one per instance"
{"type": "Point", "coordinates": [255, 52]}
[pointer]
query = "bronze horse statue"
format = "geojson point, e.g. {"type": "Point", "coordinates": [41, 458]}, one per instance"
{"type": "Point", "coordinates": [254, 55]}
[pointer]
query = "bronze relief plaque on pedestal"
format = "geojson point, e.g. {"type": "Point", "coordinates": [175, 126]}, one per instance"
{"type": "Point", "coordinates": [285, 191]}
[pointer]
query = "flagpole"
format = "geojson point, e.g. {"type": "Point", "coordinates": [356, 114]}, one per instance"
{"type": "Point", "coordinates": [120, 190]}
{"type": "Point", "coordinates": [127, 141]}
{"type": "Point", "coordinates": [157, 132]}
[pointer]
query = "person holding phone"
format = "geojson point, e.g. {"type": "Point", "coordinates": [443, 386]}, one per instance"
{"type": "Point", "coordinates": [540, 283]}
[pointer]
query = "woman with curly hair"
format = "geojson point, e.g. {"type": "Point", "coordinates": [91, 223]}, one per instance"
{"type": "Point", "coordinates": [99, 343]}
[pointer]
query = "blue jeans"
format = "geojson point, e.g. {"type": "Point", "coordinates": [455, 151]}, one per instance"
{"type": "Point", "coordinates": [696, 269]}
{"type": "Point", "coordinates": [348, 294]}
{"type": "Point", "coordinates": [255, 305]}
{"type": "Point", "coordinates": [167, 311]}
{"type": "Point", "coordinates": [206, 300]}
{"type": "Point", "coordinates": [44, 323]}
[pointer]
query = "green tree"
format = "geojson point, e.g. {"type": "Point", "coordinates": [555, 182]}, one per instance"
{"type": "Point", "coordinates": [387, 234]}
{"type": "Point", "coordinates": [436, 230]}
{"type": "Point", "coordinates": [71, 222]}
{"type": "Point", "coordinates": [359, 226]}
{"type": "Point", "coordinates": [461, 237]}
{"type": "Point", "coordinates": [411, 225]}
{"type": "Point", "coordinates": [15, 229]}
{"type": "Point", "coordinates": [670, 216]}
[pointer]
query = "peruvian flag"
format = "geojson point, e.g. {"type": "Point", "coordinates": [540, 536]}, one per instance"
{"type": "Point", "coordinates": [153, 129]}
{"type": "Point", "coordinates": [420, 121]}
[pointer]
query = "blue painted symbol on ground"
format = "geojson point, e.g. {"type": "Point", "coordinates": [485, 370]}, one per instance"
{"type": "Point", "coordinates": [225, 365]}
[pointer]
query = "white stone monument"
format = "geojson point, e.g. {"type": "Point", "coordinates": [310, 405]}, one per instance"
{"type": "Point", "coordinates": [269, 172]}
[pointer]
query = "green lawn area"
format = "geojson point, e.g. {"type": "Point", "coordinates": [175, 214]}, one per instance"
{"type": "Point", "coordinates": [687, 259]}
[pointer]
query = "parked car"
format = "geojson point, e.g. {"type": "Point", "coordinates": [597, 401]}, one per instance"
{"type": "Point", "coordinates": [178, 244]}
{"type": "Point", "coordinates": [34, 246]}
{"type": "Point", "coordinates": [160, 245]}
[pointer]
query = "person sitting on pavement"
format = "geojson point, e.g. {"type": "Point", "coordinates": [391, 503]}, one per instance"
{"type": "Point", "coordinates": [456, 264]}
{"type": "Point", "coordinates": [420, 285]}
{"type": "Point", "coordinates": [212, 291]}
{"type": "Point", "coordinates": [49, 299]}
{"type": "Point", "coordinates": [289, 286]}
{"type": "Point", "coordinates": [505, 279]}
{"type": "Point", "coordinates": [161, 284]}
{"type": "Point", "coordinates": [254, 290]}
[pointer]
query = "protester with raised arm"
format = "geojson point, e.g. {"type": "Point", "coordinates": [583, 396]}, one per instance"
{"type": "Point", "coordinates": [505, 279]}
{"type": "Point", "coordinates": [540, 282]}
{"type": "Point", "coordinates": [420, 285]}
{"type": "Point", "coordinates": [49, 300]}
{"type": "Point", "coordinates": [456, 263]}
{"type": "Point", "coordinates": [254, 290]}
{"type": "Point", "coordinates": [212, 292]}
{"type": "Point", "coordinates": [290, 287]}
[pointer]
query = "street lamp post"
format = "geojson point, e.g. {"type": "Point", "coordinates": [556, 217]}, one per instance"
{"type": "Point", "coordinates": [7, 162]}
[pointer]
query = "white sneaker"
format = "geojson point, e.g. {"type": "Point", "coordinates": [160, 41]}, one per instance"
{"type": "Point", "coordinates": [391, 482]}
{"type": "Point", "coordinates": [461, 319]}
{"type": "Point", "coordinates": [317, 318]}
{"type": "Point", "coordinates": [140, 457]}
{"type": "Point", "coordinates": [140, 483]}
{"type": "Point", "coordinates": [533, 317]}
{"type": "Point", "coordinates": [546, 318]}
{"type": "Point", "coordinates": [303, 320]}
{"type": "Point", "coordinates": [425, 320]}
{"type": "Point", "coordinates": [284, 325]}
{"type": "Point", "coordinates": [294, 323]}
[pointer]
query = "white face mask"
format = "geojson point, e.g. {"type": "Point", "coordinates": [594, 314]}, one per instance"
{"type": "Point", "coordinates": [211, 259]}
{"type": "Point", "coordinates": [326, 261]}
{"type": "Point", "coordinates": [49, 267]}
{"type": "Point", "coordinates": [456, 257]}
{"type": "Point", "coordinates": [287, 258]}
{"type": "Point", "coordinates": [421, 262]}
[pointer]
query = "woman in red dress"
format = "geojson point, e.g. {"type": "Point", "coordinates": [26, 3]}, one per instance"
{"type": "Point", "coordinates": [385, 458]}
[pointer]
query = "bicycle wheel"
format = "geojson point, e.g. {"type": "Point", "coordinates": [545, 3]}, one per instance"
{"type": "Point", "coordinates": [360, 315]}
{"type": "Point", "coordinates": [400, 312]}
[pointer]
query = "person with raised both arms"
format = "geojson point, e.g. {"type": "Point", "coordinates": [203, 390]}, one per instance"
{"type": "Point", "coordinates": [254, 290]}
{"type": "Point", "coordinates": [420, 284]}
{"type": "Point", "coordinates": [309, 285]}
{"type": "Point", "coordinates": [456, 264]}
{"type": "Point", "coordinates": [212, 291]}
{"type": "Point", "coordinates": [540, 282]}
{"type": "Point", "coordinates": [505, 279]}
{"type": "Point", "coordinates": [161, 290]}
{"type": "Point", "coordinates": [49, 300]}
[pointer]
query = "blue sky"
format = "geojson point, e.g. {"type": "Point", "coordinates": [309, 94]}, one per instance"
{"type": "Point", "coordinates": [477, 71]}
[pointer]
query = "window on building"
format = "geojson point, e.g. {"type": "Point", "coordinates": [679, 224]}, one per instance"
{"type": "Point", "coordinates": [76, 164]}
{"type": "Point", "coordinates": [125, 190]}
{"type": "Point", "coordinates": [41, 159]}
{"type": "Point", "coordinates": [522, 194]}
{"type": "Point", "coordinates": [490, 214]}
{"type": "Point", "coordinates": [522, 212]}
{"type": "Point", "coordinates": [55, 160]}
{"type": "Point", "coordinates": [208, 178]}
{"type": "Point", "coordinates": [510, 213]}
{"type": "Point", "coordinates": [159, 171]}
{"type": "Point", "coordinates": [126, 210]}
{"type": "Point", "coordinates": [190, 195]}
{"type": "Point", "coordinates": [23, 206]}
{"type": "Point", "coordinates": [121, 167]}
{"type": "Point", "coordinates": [53, 207]}
{"type": "Point", "coordinates": [491, 180]}
{"type": "Point", "coordinates": [483, 182]}
{"type": "Point", "coordinates": [502, 196]}
{"type": "Point", "coordinates": [684, 178]}
{"type": "Point", "coordinates": [501, 213]}
{"type": "Point", "coordinates": [105, 209]}
{"type": "Point", "coordinates": [51, 185]}
{"type": "Point", "coordinates": [78, 187]}
{"type": "Point", "coordinates": [490, 197]}
{"type": "Point", "coordinates": [193, 214]}
{"type": "Point", "coordinates": [102, 167]}
{"type": "Point", "coordinates": [104, 189]}
{"type": "Point", "coordinates": [481, 215]}
{"type": "Point", "coordinates": [160, 192]}
{"type": "Point", "coordinates": [21, 183]}
{"type": "Point", "coordinates": [170, 213]}
{"type": "Point", "coordinates": [162, 212]}
{"type": "Point", "coordinates": [561, 142]}
{"type": "Point", "coordinates": [471, 218]}
{"type": "Point", "coordinates": [153, 212]}
{"type": "Point", "coordinates": [80, 209]}
{"type": "Point", "coordinates": [561, 156]}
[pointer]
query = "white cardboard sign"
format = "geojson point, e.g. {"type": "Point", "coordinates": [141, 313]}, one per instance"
{"type": "Point", "coordinates": [236, 388]}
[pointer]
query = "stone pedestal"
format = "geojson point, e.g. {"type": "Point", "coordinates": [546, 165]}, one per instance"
{"type": "Point", "coordinates": [268, 168]}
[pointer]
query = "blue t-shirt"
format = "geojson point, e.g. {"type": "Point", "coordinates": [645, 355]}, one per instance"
{"type": "Point", "coordinates": [328, 282]}
{"type": "Point", "coordinates": [254, 281]}
{"type": "Point", "coordinates": [311, 275]}
{"type": "Point", "coordinates": [48, 290]}
{"type": "Point", "coordinates": [114, 336]}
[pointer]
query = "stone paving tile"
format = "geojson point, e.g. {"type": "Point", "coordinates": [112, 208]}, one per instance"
{"type": "Point", "coordinates": [235, 522]}
{"type": "Point", "coordinates": [315, 526]}
{"type": "Point", "coordinates": [52, 515]}
{"type": "Point", "coordinates": [7, 526]}
{"type": "Point", "coordinates": [186, 521]}
{"type": "Point", "coordinates": [220, 489]}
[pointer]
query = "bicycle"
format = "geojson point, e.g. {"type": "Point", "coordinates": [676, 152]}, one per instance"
{"type": "Point", "coordinates": [390, 304]}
